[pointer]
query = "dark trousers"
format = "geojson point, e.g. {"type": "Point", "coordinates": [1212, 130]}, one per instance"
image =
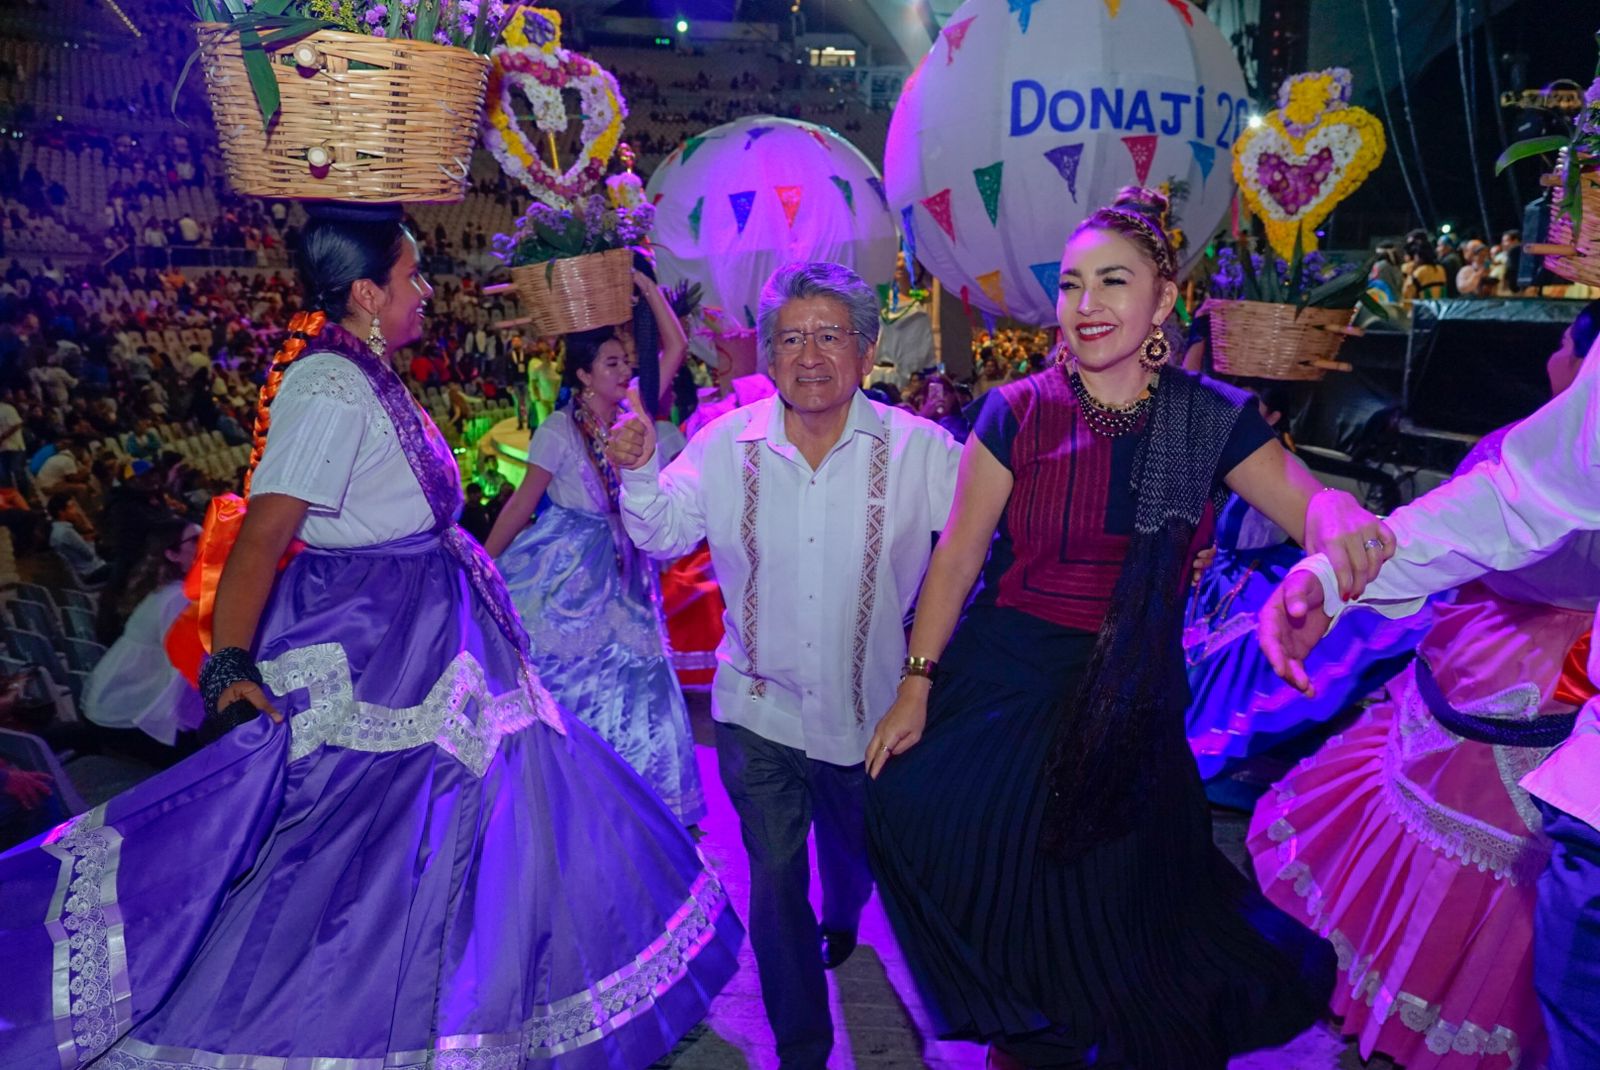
{"type": "Point", "coordinates": [778, 793]}
{"type": "Point", "coordinates": [1566, 958]}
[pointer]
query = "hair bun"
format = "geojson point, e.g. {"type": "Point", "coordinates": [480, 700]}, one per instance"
{"type": "Point", "coordinates": [1150, 203]}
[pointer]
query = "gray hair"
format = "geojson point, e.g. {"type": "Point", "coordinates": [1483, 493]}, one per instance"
{"type": "Point", "coordinates": [799, 280]}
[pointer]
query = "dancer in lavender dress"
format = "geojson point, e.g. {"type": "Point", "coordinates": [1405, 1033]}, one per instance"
{"type": "Point", "coordinates": [415, 859]}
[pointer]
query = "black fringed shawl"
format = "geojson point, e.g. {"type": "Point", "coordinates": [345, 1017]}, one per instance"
{"type": "Point", "coordinates": [1122, 731]}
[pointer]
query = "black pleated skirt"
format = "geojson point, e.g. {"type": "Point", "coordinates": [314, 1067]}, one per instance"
{"type": "Point", "coordinates": [1149, 952]}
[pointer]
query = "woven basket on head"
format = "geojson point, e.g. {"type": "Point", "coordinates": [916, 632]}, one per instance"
{"type": "Point", "coordinates": [1270, 341]}
{"type": "Point", "coordinates": [363, 118]}
{"type": "Point", "coordinates": [576, 293]}
{"type": "Point", "coordinates": [1576, 256]}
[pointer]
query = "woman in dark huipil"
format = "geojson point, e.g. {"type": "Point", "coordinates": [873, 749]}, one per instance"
{"type": "Point", "coordinates": [1039, 832]}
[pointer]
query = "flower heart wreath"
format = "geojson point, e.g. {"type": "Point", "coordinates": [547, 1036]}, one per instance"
{"type": "Point", "coordinates": [532, 61]}
{"type": "Point", "coordinates": [1309, 154]}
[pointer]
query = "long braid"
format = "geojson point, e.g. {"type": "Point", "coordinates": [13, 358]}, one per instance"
{"type": "Point", "coordinates": [303, 327]}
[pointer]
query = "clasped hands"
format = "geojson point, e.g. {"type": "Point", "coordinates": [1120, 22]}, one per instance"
{"type": "Point", "coordinates": [1294, 619]}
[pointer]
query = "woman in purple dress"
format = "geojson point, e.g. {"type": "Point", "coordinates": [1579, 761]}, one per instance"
{"type": "Point", "coordinates": [1038, 828]}
{"type": "Point", "coordinates": [415, 858]}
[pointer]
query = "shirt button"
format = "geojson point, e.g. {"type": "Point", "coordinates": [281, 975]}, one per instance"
{"type": "Point", "coordinates": [811, 540]}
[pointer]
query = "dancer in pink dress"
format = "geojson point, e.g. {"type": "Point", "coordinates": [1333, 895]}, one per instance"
{"type": "Point", "coordinates": [1412, 848]}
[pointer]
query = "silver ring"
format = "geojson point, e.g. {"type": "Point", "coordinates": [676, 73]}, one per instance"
{"type": "Point", "coordinates": [1373, 544]}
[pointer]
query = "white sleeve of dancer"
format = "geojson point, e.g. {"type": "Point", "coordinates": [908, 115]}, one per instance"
{"type": "Point", "coordinates": [318, 421]}
{"type": "Point", "coordinates": [1502, 514]}
{"type": "Point", "coordinates": [662, 509]}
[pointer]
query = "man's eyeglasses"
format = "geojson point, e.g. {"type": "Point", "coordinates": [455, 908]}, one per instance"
{"type": "Point", "coordinates": [830, 340]}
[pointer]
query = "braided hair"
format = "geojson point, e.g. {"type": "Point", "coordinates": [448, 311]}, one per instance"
{"type": "Point", "coordinates": [1139, 215]}
{"type": "Point", "coordinates": [343, 244]}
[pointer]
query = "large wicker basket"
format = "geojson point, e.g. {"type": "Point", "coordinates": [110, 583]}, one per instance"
{"type": "Point", "coordinates": [363, 118]}
{"type": "Point", "coordinates": [1271, 341]}
{"type": "Point", "coordinates": [1576, 256]}
{"type": "Point", "coordinates": [576, 293]}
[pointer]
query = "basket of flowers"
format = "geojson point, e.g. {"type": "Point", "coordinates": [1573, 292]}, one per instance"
{"type": "Point", "coordinates": [1277, 319]}
{"type": "Point", "coordinates": [572, 268]}
{"type": "Point", "coordinates": [354, 100]}
{"type": "Point", "coordinates": [1572, 248]}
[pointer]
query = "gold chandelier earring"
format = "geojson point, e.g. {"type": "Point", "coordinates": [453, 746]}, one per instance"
{"type": "Point", "coordinates": [1155, 351]}
{"type": "Point", "coordinates": [375, 339]}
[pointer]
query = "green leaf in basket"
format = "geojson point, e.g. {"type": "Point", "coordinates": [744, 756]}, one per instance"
{"type": "Point", "coordinates": [262, 81]}
{"type": "Point", "coordinates": [427, 20]}
{"type": "Point", "coordinates": [1373, 305]}
{"type": "Point", "coordinates": [1247, 267]}
{"type": "Point", "coordinates": [1297, 263]}
{"type": "Point", "coordinates": [1533, 146]}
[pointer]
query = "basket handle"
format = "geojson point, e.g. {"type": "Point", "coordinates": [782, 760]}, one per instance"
{"type": "Point", "coordinates": [1347, 331]}
{"type": "Point", "coordinates": [1331, 365]}
{"type": "Point", "coordinates": [506, 324]}
{"type": "Point", "coordinates": [498, 288]}
{"type": "Point", "coordinates": [451, 174]}
{"type": "Point", "coordinates": [1546, 249]}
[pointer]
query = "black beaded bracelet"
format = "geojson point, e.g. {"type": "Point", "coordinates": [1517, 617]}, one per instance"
{"type": "Point", "coordinates": [222, 670]}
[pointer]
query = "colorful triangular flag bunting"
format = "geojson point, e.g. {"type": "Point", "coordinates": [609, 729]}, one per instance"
{"type": "Point", "coordinates": [847, 190]}
{"type": "Point", "coordinates": [954, 34]}
{"type": "Point", "coordinates": [1049, 276]}
{"type": "Point", "coordinates": [1142, 147]}
{"type": "Point", "coordinates": [988, 179]}
{"type": "Point", "coordinates": [742, 203]}
{"type": "Point", "coordinates": [877, 187]}
{"type": "Point", "coordinates": [989, 322]}
{"type": "Point", "coordinates": [908, 228]}
{"type": "Point", "coordinates": [1023, 9]}
{"type": "Point", "coordinates": [1205, 156]}
{"type": "Point", "coordinates": [1114, 7]}
{"type": "Point", "coordinates": [754, 134]}
{"type": "Point", "coordinates": [938, 206]}
{"type": "Point", "coordinates": [691, 147]}
{"type": "Point", "coordinates": [821, 139]}
{"type": "Point", "coordinates": [695, 215]}
{"type": "Point", "coordinates": [1182, 7]}
{"type": "Point", "coordinates": [790, 197]}
{"type": "Point", "coordinates": [749, 320]}
{"type": "Point", "coordinates": [1066, 158]}
{"type": "Point", "coordinates": [994, 288]}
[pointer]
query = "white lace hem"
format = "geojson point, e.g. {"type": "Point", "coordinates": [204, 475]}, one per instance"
{"type": "Point", "coordinates": [459, 715]}
{"type": "Point", "coordinates": [552, 1030]}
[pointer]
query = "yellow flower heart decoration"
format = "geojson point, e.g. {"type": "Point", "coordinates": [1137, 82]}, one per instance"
{"type": "Point", "coordinates": [1306, 156]}
{"type": "Point", "coordinates": [531, 61]}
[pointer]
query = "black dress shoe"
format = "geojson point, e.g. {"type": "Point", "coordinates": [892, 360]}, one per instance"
{"type": "Point", "coordinates": [836, 947]}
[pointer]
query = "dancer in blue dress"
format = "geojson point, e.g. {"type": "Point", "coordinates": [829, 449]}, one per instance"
{"type": "Point", "coordinates": [415, 859]}
{"type": "Point", "coordinates": [591, 601]}
{"type": "Point", "coordinates": [1239, 707]}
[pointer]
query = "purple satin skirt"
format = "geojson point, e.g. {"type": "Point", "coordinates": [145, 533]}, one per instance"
{"type": "Point", "coordinates": [428, 865]}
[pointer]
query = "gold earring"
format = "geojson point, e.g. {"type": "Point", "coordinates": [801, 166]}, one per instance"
{"type": "Point", "coordinates": [1155, 350]}
{"type": "Point", "coordinates": [375, 340]}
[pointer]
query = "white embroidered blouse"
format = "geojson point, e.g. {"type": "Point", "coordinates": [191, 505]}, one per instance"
{"type": "Point", "coordinates": [818, 568]}
{"type": "Point", "coordinates": [332, 445]}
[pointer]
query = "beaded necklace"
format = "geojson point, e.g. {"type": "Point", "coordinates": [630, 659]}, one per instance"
{"type": "Point", "coordinates": [596, 437]}
{"type": "Point", "coordinates": [1110, 421]}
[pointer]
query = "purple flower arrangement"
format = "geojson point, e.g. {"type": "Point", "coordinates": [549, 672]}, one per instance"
{"type": "Point", "coordinates": [593, 225]}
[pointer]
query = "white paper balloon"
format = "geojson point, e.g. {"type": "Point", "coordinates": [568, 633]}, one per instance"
{"type": "Point", "coordinates": [1026, 115]}
{"type": "Point", "coordinates": [743, 199]}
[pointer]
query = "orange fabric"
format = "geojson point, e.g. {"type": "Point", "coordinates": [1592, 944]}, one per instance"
{"type": "Point", "coordinates": [189, 639]}
{"type": "Point", "coordinates": [1574, 687]}
{"type": "Point", "coordinates": [184, 648]}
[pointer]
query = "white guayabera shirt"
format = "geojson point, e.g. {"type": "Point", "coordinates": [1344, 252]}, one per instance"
{"type": "Point", "coordinates": [1502, 516]}
{"type": "Point", "coordinates": [817, 567]}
